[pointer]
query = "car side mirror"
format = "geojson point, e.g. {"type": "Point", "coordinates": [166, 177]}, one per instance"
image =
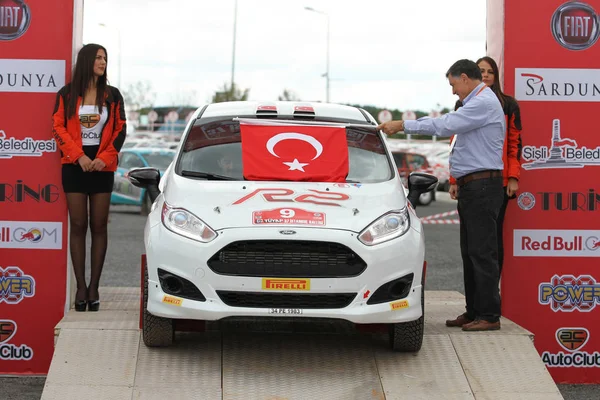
{"type": "Point", "coordinates": [419, 183]}
{"type": "Point", "coordinates": [146, 178]}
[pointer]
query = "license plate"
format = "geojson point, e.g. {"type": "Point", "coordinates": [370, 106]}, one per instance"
{"type": "Point", "coordinates": [286, 311]}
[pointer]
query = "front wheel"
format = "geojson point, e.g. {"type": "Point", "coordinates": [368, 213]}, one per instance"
{"type": "Point", "coordinates": [156, 331]}
{"type": "Point", "coordinates": [407, 337]}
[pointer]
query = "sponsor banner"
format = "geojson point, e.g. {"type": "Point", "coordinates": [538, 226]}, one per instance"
{"type": "Point", "coordinates": [550, 62]}
{"type": "Point", "coordinates": [31, 235]}
{"type": "Point", "coordinates": [557, 84]}
{"type": "Point", "coordinates": [27, 147]}
{"type": "Point", "coordinates": [37, 43]}
{"type": "Point", "coordinates": [585, 201]}
{"type": "Point", "coordinates": [568, 293]}
{"type": "Point", "coordinates": [9, 351]}
{"type": "Point", "coordinates": [556, 243]}
{"type": "Point", "coordinates": [573, 352]}
{"type": "Point", "coordinates": [32, 76]}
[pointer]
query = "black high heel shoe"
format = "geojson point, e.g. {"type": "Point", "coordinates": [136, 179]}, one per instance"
{"type": "Point", "coordinates": [93, 305]}
{"type": "Point", "coordinates": [80, 305]}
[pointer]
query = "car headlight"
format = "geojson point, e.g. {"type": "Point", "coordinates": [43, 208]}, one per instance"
{"type": "Point", "coordinates": [389, 226]}
{"type": "Point", "coordinates": [184, 223]}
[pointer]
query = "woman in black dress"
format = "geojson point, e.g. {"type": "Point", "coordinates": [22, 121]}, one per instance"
{"type": "Point", "coordinates": [89, 127]}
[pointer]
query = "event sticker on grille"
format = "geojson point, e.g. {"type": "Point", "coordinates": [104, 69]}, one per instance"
{"type": "Point", "coordinates": [288, 216]}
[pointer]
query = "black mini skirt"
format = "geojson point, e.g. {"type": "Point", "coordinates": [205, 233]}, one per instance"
{"type": "Point", "coordinates": [74, 180]}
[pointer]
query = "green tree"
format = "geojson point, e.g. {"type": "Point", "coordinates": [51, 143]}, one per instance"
{"type": "Point", "coordinates": [230, 93]}
{"type": "Point", "coordinates": [288, 95]}
{"type": "Point", "coordinates": [139, 95]}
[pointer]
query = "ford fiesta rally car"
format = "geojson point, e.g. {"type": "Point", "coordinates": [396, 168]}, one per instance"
{"type": "Point", "coordinates": [283, 210]}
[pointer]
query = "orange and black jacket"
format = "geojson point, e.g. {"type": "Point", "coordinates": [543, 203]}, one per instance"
{"type": "Point", "coordinates": [511, 156]}
{"type": "Point", "coordinates": [67, 132]}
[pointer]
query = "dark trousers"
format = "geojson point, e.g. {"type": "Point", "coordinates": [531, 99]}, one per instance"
{"type": "Point", "coordinates": [479, 203]}
{"type": "Point", "coordinates": [500, 230]}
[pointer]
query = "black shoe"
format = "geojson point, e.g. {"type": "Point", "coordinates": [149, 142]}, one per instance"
{"type": "Point", "coordinates": [93, 305]}
{"type": "Point", "coordinates": [80, 305]}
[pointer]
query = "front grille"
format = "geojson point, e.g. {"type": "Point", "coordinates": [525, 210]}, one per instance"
{"type": "Point", "coordinates": [285, 300]}
{"type": "Point", "coordinates": [287, 259]}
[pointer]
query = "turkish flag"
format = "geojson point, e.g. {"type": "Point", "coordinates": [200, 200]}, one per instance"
{"type": "Point", "coordinates": [294, 153]}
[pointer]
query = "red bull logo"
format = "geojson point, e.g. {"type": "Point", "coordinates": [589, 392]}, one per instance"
{"type": "Point", "coordinates": [34, 235]}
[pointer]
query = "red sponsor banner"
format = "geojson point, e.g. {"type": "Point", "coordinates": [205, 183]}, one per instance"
{"type": "Point", "coordinates": [33, 213]}
{"type": "Point", "coordinates": [288, 216]}
{"type": "Point", "coordinates": [551, 280]}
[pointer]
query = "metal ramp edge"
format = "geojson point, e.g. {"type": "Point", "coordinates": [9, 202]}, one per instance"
{"type": "Point", "coordinates": [101, 356]}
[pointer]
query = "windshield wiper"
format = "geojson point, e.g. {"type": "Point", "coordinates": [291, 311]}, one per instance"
{"type": "Point", "coordinates": [214, 177]}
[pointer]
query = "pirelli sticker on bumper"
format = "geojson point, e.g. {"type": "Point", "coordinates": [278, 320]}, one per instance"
{"type": "Point", "coordinates": [285, 284]}
{"type": "Point", "coordinates": [397, 305]}
{"type": "Point", "coordinates": [174, 301]}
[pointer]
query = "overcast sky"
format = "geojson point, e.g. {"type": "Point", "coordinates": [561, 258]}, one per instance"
{"type": "Point", "coordinates": [388, 53]}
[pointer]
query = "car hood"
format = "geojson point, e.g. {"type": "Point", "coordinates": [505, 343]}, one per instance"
{"type": "Point", "coordinates": [235, 204]}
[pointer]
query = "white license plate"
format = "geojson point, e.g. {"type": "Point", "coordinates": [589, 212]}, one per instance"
{"type": "Point", "coordinates": [286, 311]}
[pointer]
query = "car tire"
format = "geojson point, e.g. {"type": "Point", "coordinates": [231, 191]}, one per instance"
{"type": "Point", "coordinates": [426, 198]}
{"type": "Point", "coordinates": [407, 337]}
{"type": "Point", "coordinates": [156, 331]}
{"type": "Point", "coordinates": [146, 205]}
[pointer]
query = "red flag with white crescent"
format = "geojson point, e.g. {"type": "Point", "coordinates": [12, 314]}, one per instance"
{"type": "Point", "coordinates": [294, 153]}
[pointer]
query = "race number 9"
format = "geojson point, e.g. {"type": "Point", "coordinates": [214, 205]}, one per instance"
{"type": "Point", "coordinates": [287, 213]}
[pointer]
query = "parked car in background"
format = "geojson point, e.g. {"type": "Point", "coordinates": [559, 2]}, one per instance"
{"type": "Point", "coordinates": [408, 162]}
{"type": "Point", "coordinates": [124, 193]}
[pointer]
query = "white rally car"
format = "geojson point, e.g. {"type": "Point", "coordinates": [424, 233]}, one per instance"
{"type": "Point", "coordinates": [219, 245]}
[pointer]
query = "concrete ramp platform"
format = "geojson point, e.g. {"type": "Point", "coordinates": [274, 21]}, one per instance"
{"type": "Point", "coordinates": [101, 356]}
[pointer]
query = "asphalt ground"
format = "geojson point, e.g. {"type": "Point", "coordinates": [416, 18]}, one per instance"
{"type": "Point", "coordinates": [122, 266]}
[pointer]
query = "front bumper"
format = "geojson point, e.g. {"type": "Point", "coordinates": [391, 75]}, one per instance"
{"type": "Point", "coordinates": [188, 259]}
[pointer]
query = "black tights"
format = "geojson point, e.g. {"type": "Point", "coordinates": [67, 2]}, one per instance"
{"type": "Point", "coordinates": [98, 221]}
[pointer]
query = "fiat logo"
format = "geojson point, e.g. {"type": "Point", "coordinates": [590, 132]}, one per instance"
{"type": "Point", "coordinates": [15, 17]}
{"type": "Point", "coordinates": [287, 232]}
{"type": "Point", "coordinates": [575, 25]}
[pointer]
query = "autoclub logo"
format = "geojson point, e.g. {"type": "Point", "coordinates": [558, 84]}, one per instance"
{"type": "Point", "coordinates": [562, 153]}
{"type": "Point", "coordinates": [569, 293]}
{"type": "Point", "coordinates": [556, 243]}
{"type": "Point", "coordinates": [9, 351]}
{"type": "Point", "coordinates": [572, 340]}
{"type": "Point", "coordinates": [20, 192]}
{"type": "Point", "coordinates": [11, 147]}
{"type": "Point", "coordinates": [560, 201]}
{"type": "Point", "coordinates": [575, 25]}
{"type": "Point", "coordinates": [15, 17]}
{"type": "Point", "coordinates": [15, 285]}
{"type": "Point", "coordinates": [30, 235]}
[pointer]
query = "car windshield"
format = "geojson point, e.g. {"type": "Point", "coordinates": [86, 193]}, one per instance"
{"type": "Point", "coordinates": [160, 161]}
{"type": "Point", "coordinates": [214, 148]}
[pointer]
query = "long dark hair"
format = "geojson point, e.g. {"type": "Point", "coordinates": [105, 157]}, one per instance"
{"type": "Point", "coordinates": [496, 85]}
{"type": "Point", "coordinates": [83, 77]}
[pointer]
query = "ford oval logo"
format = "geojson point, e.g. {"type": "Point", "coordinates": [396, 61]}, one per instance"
{"type": "Point", "coordinates": [288, 232]}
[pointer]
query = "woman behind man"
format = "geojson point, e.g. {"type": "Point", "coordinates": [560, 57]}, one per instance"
{"type": "Point", "coordinates": [512, 145]}
{"type": "Point", "coordinates": [89, 127]}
